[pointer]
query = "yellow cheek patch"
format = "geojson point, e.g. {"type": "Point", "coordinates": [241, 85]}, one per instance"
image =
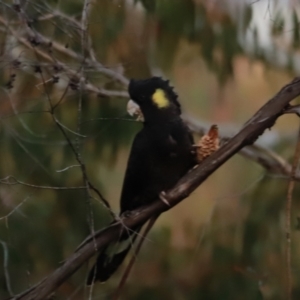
{"type": "Point", "coordinates": [160, 99]}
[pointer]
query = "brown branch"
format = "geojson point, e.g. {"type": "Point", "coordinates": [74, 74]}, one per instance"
{"type": "Point", "coordinates": [266, 158]}
{"type": "Point", "coordinates": [262, 120]}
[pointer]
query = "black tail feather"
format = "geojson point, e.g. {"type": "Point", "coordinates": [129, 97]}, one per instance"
{"type": "Point", "coordinates": [109, 259]}
{"type": "Point", "coordinates": [101, 271]}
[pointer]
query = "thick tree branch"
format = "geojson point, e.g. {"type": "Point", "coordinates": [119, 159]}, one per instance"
{"type": "Point", "coordinates": [266, 158]}
{"type": "Point", "coordinates": [263, 119]}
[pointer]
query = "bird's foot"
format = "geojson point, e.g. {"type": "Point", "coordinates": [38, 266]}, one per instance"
{"type": "Point", "coordinates": [193, 168]}
{"type": "Point", "coordinates": [129, 214]}
{"type": "Point", "coordinates": [163, 198]}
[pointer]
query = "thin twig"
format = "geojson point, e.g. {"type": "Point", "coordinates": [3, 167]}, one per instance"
{"type": "Point", "coordinates": [71, 73]}
{"type": "Point", "coordinates": [15, 209]}
{"type": "Point", "coordinates": [25, 149]}
{"type": "Point", "coordinates": [17, 114]}
{"type": "Point", "coordinates": [7, 181]}
{"type": "Point", "coordinates": [60, 126]}
{"type": "Point", "coordinates": [67, 168]}
{"type": "Point", "coordinates": [289, 200]}
{"type": "Point", "coordinates": [70, 130]}
{"type": "Point", "coordinates": [105, 202]}
{"type": "Point", "coordinates": [84, 41]}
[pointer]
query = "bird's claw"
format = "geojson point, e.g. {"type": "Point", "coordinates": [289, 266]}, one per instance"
{"type": "Point", "coordinates": [193, 168]}
{"type": "Point", "coordinates": [163, 198]}
{"type": "Point", "coordinates": [129, 214]}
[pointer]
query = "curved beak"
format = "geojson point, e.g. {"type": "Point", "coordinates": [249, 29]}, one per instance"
{"type": "Point", "coordinates": [134, 110]}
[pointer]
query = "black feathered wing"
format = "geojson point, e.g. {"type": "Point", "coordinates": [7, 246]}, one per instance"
{"type": "Point", "coordinates": [135, 180]}
{"type": "Point", "coordinates": [137, 174]}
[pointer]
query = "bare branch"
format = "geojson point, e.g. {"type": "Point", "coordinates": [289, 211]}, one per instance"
{"type": "Point", "coordinates": [289, 199]}
{"type": "Point", "coordinates": [266, 158]}
{"type": "Point", "coordinates": [11, 180]}
{"type": "Point", "coordinates": [15, 209]}
{"type": "Point", "coordinates": [92, 63]}
{"type": "Point", "coordinates": [71, 73]}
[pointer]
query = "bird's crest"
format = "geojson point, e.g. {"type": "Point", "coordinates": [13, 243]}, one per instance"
{"type": "Point", "coordinates": [159, 91]}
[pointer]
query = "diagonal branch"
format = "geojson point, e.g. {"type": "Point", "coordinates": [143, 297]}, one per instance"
{"type": "Point", "coordinates": [272, 162]}
{"type": "Point", "coordinates": [262, 120]}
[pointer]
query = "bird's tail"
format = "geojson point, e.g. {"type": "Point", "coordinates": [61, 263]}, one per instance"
{"type": "Point", "coordinates": [111, 257]}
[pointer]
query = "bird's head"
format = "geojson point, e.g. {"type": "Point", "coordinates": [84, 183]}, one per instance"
{"type": "Point", "coordinates": [152, 98]}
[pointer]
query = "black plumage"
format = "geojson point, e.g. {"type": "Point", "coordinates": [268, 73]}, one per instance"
{"type": "Point", "coordinates": [160, 155]}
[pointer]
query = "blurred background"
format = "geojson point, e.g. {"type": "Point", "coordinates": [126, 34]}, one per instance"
{"type": "Point", "coordinates": [226, 58]}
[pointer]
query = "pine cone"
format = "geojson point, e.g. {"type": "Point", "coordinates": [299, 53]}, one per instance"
{"type": "Point", "coordinates": [208, 144]}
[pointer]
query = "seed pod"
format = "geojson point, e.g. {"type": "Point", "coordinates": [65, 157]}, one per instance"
{"type": "Point", "coordinates": [208, 144]}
